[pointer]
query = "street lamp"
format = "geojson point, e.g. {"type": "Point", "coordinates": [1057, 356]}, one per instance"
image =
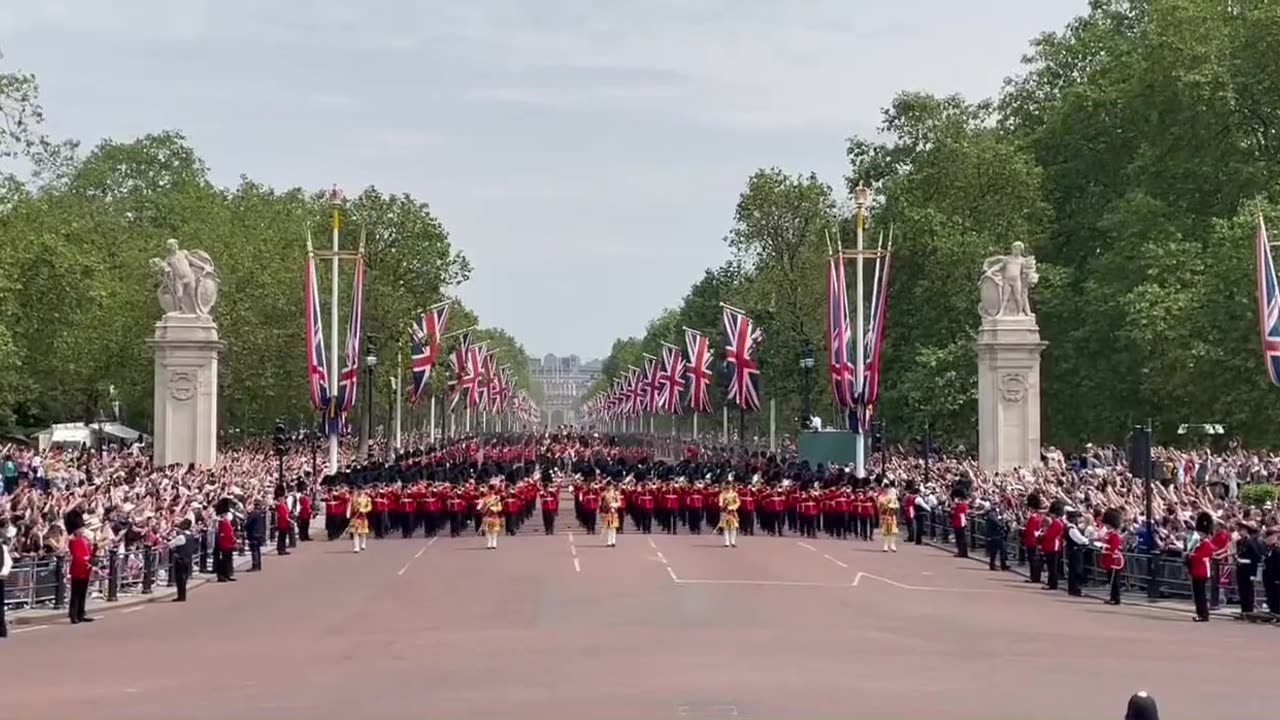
{"type": "Point", "coordinates": [806, 365]}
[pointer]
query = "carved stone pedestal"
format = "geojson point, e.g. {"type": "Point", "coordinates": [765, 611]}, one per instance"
{"type": "Point", "coordinates": [1009, 350]}
{"type": "Point", "coordinates": [186, 389]}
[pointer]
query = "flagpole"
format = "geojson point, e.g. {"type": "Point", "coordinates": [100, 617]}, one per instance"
{"type": "Point", "coordinates": [399, 393]}
{"type": "Point", "coordinates": [860, 446]}
{"type": "Point", "coordinates": [432, 435]}
{"type": "Point", "coordinates": [335, 203]}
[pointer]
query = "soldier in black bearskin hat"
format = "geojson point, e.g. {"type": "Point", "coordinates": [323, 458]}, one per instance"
{"type": "Point", "coordinates": [960, 518]}
{"type": "Point", "coordinates": [1198, 563]}
{"type": "Point", "coordinates": [1031, 531]}
{"type": "Point", "coordinates": [81, 552]}
{"type": "Point", "coordinates": [1052, 540]}
{"type": "Point", "coordinates": [1112, 558]}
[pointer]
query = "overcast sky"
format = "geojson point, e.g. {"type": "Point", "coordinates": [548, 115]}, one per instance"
{"type": "Point", "coordinates": [584, 154]}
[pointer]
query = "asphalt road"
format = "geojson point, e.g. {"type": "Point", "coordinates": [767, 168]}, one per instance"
{"type": "Point", "coordinates": [659, 627]}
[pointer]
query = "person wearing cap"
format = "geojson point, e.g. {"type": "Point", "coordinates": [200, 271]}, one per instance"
{"type": "Point", "coordinates": [1271, 571]}
{"type": "Point", "coordinates": [183, 548]}
{"type": "Point", "coordinates": [1076, 545]}
{"type": "Point", "coordinates": [996, 530]}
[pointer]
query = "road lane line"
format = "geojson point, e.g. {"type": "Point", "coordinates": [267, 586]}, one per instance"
{"type": "Point", "coordinates": [834, 560]}
{"type": "Point", "coordinates": [573, 550]}
{"type": "Point", "coordinates": [807, 546]}
{"type": "Point", "coordinates": [126, 611]}
{"type": "Point", "coordinates": [28, 629]}
{"type": "Point", "coordinates": [421, 550]}
{"type": "Point", "coordinates": [662, 557]}
{"type": "Point", "coordinates": [577, 566]}
{"type": "Point", "coordinates": [672, 573]}
{"type": "Point", "coordinates": [652, 544]}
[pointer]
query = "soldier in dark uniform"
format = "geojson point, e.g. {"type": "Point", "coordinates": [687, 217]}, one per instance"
{"type": "Point", "coordinates": [255, 532]}
{"type": "Point", "coordinates": [1271, 571]}
{"type": "Point", "coordinates": [1077, 543]}
{"type": "Point", "coordinates": [183, 548]}
{"type": "Point", "coordinates": [996, 530]}
{"type": "Point", "coordinates": [1249, 554]}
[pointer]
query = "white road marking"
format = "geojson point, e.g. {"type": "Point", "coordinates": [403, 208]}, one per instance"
{"type": "Point", "coordinates": [781, 583]}
{"type": "Point", "coordinates": [672, 573]}
{"type": "Point", "coordinates": [652, 544]}
{"type": "Point", "coordinates": [834, 560]}
{"type": "Point", "coordinates": [28, 629]}
{"type": "Point", "coordinates": [807, 546]}
{"type": "Point", "coordinates": [662, 557]}
{"type": "Point", "coordinates": [126, 611]}
{"type": "Point", "coordinates": [570, 537]}
{"type": "Point", "coordinates": [421, 550]}
{"type": "Point", "coordinates": [904, 586]}
{"type": "Point", "coordinates": [573, 550]}
{"type": "Point", "coordinates": [577, 565]}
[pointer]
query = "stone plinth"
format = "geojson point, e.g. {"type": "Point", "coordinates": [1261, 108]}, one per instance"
{"type": "Point", "coordinates": [1009, 392]}
{"type": "Point", "coordinates": [186, 389]}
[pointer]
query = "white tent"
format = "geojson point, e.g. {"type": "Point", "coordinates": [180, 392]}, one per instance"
{"type": "Point", "coordinates": [80, 435]}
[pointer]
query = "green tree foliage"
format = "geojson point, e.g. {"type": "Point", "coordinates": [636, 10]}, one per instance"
{"type": "Point", "coordinates": [76, 291]}
{"type": "Point", "coordinates": [1132, 155]}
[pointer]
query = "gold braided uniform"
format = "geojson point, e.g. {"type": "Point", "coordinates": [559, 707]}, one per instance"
{"type": "Point", "coordinates": [610, 501]}
{"type": "Point", "coordinates": [360, 508]}
{"type": "Point", "coordinates": [729, 504]}
{"type": "Point", "coordinates": [888, 514]}
{"type": "Point", "coordinates": [492, 507]}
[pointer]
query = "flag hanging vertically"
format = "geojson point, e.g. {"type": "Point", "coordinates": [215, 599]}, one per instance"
{"type": "Point", "coordinates": [842, 371]}
{"type": "Point", "coordinates": [460, 362]}
{"type": "Point", "coordinates": [672, 381]}
{"type": "Point", "coordinates": [875, 344]}
{"type": "Point", "coordinates": [743, 337]}
{"type": "Point", "coordinates": [350, 378]}
{"type": "Point", "coordinates": [478, 362]}
{"type": "Point", "coordinates": [317, 373]}
{"type": "Point", "coordinates": [1268, 304]}
{"type": "Point", "coordinates": [652, 385]}
{"type": "Point", "coordinates": [424, 334]}
{"type": "Point", "coordinates": [699, 370]}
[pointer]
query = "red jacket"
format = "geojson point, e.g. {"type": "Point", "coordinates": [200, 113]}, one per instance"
{"type": "Point", "coordinates": [1198, 562]}
{"type": "Point", "coordinates": [304, 507]}
{"type": "Point", "coordinates": [1051, 541]}
{"type": "Point", "coordinates": [282, 516]}
{"type": "Point", "coordinates": [81, 551]}
{"type": "Point", "coordinates": [960, 515]}
{"type": "Point", "coordinates": [226, 535]}
{"type": "Point", "coordinates": [1029, 532]}
{"type": "Point", "coordinates": [1111, 557]}
{"type": "Point", "coordinates": [550, 502]}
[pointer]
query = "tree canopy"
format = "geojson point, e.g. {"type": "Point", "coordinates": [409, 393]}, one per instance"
{"type": "Point", "coordinates": [76, 291]}
{"type": "Point", "coordinates": [1131, 154]}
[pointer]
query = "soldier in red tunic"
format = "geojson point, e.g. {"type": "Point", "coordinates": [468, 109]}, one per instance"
{"type": "Point", "coordinates": [1112, 558]}
{"type": "Point", "coordinates": [1051, 542]}
{"type": "Point", "coordinates": [550, 507]}
{"type": "Point", "coordinates": [81, 569]}
{"type": "Point", "coordinates": [1031, 537]}
{"type": "Point", "coordinates": [304, 513]}
{"type": "Point", "coordinates": [1198, 565]}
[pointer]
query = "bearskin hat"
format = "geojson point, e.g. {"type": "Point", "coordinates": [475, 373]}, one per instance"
{"type": "Point", "coordinates": [1057, 508]}
{"type": "Point", "coordinates": [1112, 517]}
{"type": "Point", "coordinates": [1204, 523]}
{"type": "Point", "coordinates": [1034, 502]}
{"type": "Point", "coordinates": [73, 520]}
{"type": "Point", "coordinates": [960, 492]}
{"type": "Point", "coordinates": [223, 506]}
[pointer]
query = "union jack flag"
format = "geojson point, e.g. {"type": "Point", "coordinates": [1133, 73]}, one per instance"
{"type": "Point", "coordinates": [699, 370]}
{"type": "Point", "coordinates": [1268, 305]}
{"type": "Point", "coordinates": [652, 385]}
{"type": "Point", "coordinates": [317, 372]}
{"type": "Point", "coordinates": [842, 371]}
{"type": "Point", "coordinates": [671, 380]}
{"type": "Point", "coordinates": [478, 361]}
{"type": "Point", "coordinates": [743, 338]}
{"type": "Point", "coordinates": [424, 347]}
{"type": "Point", "coordinates": [494, 395]}
{"type": "Point", "coordinates": [870, 390]}
{"type": "Point", "coordinates": [349, 380]}
{"type": "Point", "coordinates": [505, 388]}
{"type": "Point", "coordinates": [459, 361]}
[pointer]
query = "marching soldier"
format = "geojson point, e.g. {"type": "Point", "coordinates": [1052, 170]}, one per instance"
{"type": "Point", "coordinates": [1031, 532]}
{"type": "Point", "coordinates": [728, 504]}
{"type": "Point", "coordinates": [1051, 542]}
{"type": "Point", "coordinates": [358, 513]}
{"type": "Point", "coordinates": [888, 503]}
{"type": "Point", "coordinates": [550, 506]}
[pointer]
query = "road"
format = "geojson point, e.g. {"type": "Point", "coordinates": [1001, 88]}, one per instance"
{"type": "Point", "coordinates": [658, 627]}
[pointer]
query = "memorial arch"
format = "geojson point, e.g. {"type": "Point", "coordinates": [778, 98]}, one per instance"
{"type": "Point", "coordinates": [563, 382]}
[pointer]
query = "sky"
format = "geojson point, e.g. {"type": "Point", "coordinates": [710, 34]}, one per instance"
{"type": "Point", "coordinates": [585, 155]}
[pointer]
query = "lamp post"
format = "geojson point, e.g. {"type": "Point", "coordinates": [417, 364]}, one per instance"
{"type": "Point", "coordinates": [806, 365]}
{"type": "Point", "coordinates": [370, 363]}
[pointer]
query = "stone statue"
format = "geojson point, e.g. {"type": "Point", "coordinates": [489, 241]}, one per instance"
{"type": "Point", "coordinates": [188, 281]}
{"type": "Point", "coordinates": [1005, 284]}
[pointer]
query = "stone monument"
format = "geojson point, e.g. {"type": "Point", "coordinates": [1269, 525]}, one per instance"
{"type": "Point", "coordinates": [186, 349]}
{"type": "Point", "coordinates": [1009, 347]}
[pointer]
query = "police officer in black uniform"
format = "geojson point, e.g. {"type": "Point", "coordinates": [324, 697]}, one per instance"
{"type": "Point", "coordinates": [996, 531]}
{"type": "Point", "coordinates": [183, 548]}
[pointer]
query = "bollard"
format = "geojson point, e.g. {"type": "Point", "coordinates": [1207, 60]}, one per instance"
{"type": "Point", "coordinates": [59, 580]}
{"type": "Point", "coordinates": [148, 569]}
{"type": "Point", "coordinates": [113, 575]}
{"type": "Point", "coordinates": [204, 553]}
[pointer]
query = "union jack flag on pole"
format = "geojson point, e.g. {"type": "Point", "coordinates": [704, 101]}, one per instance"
{"type": "Point", "coordinates": [350, 378]}
{"type": "Point", "coordinates": [317, 373]}
{"type": "Point", "coordinates": [1268, 304]}
{"type": "Point", "coordinates": [459, 361]}
{"type": "Point", "coordinates": [699, 370]}
{"type": "Point", "coordinates": [671, 380]}
{"type": "Point", "coordinates": [424, 347]}
{"type": "Point", "coordinates": [875, 344]}
{"type": "Point", "coordinates": [652, 384]}
{"type": "Point", "coordinates": [743, 337]}
{"type": "Point", "coordinates": [842, 371]}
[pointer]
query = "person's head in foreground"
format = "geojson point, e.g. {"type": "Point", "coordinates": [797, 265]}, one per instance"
{"type": "Point", "coordinates": [1142, 707]}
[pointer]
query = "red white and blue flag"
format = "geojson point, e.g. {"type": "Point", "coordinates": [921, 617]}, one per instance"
{"type": "Point", "coordinates": [652, 385]}
{"type": "Point", "coordinates": [317, 372]}
{"type": "Point", "coordinates": [699, 370]}
{"type": "Point", "coordinates": [744, 378]}
{"type": "Point", "coordinates": [671, 380]}
{"type": "Point", "coordinates": [478, 360]}
{"type": "Point", "coordinates": [1268, 305]}
{"type": "Point", "coordinates": [870, 390]}
{"type": "Point", "coordinates": [460, 362]}
{"type": "Point", "coordinates": [842, 371]}
{"type": "Point", "coordinates": [424, 345]}
{"type": "Point", "coordinates": [348, 381]}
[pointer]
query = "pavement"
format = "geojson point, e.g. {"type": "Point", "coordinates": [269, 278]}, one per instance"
{"type": "Point", "coordinates": [660, 626]}
{"type": "Point", "coordinates": [99, 606]}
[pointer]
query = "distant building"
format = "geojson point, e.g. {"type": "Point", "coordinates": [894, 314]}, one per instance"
{"type": "Point", "coordinates": [564, 381]}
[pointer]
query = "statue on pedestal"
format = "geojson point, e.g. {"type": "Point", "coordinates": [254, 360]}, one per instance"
{"type": "Point", "coordinates": [1005, 284]}
{"type": "Point", "coordinates": [188, 281]}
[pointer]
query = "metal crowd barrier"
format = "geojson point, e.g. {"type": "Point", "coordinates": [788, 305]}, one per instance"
{"type": "Point", "coordinates": [43, 582]}
{"type": "Point", "coordinates": [1170, 578]}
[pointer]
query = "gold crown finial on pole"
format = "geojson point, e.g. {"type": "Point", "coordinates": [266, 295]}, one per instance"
{"type": "Point", "coordinates": [861, 196]}
{"type": "Point", "coordinates": [336, 197]}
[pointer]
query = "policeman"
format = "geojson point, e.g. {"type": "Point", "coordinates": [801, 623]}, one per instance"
{"type": "Point", "coordinates": [183, 548]}
{"type": "Point", "coordinates": [1249, 554]}
{"type": "Point", "coordinates": [996, 530]}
